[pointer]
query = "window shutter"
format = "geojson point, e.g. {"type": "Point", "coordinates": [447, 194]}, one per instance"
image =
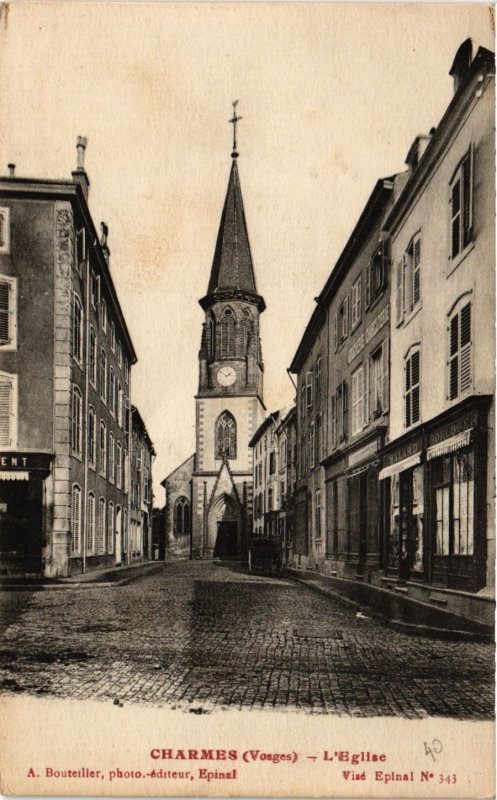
{"type": "Point", "coordinates": [407, 392]}
{"type": "Point", "coordinates": [415, 378]}
{"type": "Point", "coordinates": [345, 409]}
{"type": "Point", "coordinates": [5, 412]}
{"type": "Point", "coordinates": [336, 331]}
{"type": "Point", "coordinates": [465, 352]}
{"type": "Point", "coordinates": [408, 281]}
{"type": "Point", "coordinates": [75, 519]}
{"type": "Point", "coordinates": [455, 213]}
{"type": "Point", "coordinates": [333, 421]}
{"type": "Point", "coordinates": [386, 385]}
{"type": "Point", "coordinates": [345, 317]}
{"type": "Point", "coordinates": [399, 292]}
{"type": "Point", "coordinates": [467, 191]}
{"type": "Point", "coordinates": [454, 357]}
{"type": "Point", "coordinates": [365, 416]}
{"type": "Point", "coordinates": [355, 378]}
{"type": "Point", "coordinates": [5, 303]}
{"type": "Point", "coordinates": [367, 287]}
{"type": "Point", "coordinates": [416, 270]}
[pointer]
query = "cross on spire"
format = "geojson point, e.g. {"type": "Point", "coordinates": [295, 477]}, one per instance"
{"type": "Point", "coordinates": [234, 119]}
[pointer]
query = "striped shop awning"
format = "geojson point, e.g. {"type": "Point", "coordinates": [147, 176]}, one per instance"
{"type": "Point", "coordinates": [14, 475]}
{"type": "Point", "coordinates": [449, 445]}
{"type": "Point", "coordinates": [400, 466]}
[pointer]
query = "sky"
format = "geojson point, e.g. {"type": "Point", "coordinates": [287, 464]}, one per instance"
{"type": "Point", "coordinates": [331, 98]}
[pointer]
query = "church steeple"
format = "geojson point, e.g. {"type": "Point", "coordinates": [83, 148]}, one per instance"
{"type": "Point", "coordinates": [232, 269]}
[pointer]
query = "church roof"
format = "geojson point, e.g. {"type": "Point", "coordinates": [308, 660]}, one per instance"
{"type": "Point", "coordinates": [232, 265]}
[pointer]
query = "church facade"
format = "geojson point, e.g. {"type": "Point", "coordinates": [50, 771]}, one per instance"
{"type": "Point", "coordinates": [229, 402]}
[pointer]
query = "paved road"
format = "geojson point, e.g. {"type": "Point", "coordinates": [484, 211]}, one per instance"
{"type": "Point", "coordinates": [199, 635]}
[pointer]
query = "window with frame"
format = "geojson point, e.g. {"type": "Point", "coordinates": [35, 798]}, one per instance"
{"type": "Point", "coordinates": [460, 376]}
{"type": "Point", "coordinates": [181, 516]}
{"type": "Point", "coordinates": [112, 391]}
{"type": "Point", "coordinates": [339, 412]}
{"type": "Point", "coordinates": [119, 465]}
{"type": "Point", "coordinates": [112, 337]}
{"type": "Point", "coordinates": [103, 314]}
{"type": "Point", "coordinates": [103, 448]}
{"type": "Point", "coordinates": [81, 252]}
{"type": "Point", "coordinates": [103, 375]}
{"type": "Point", "coordinates": [376, 275]}
{"type": "Point", "coordinates": [126, 369]}
{"type": "Point", "coordinates": [110, 528]}
{"type": "Point", "coordinates": [318, 455]}
{"type": "Point", "coordinates": [90, 524]}
{"type": "Point", "coordinates": [4, 230]}
{"type": "Point", "coordinates": [92, 437]}
{"type": "Point", "coordinates": [356, 304]}
{"type": "Point", "coordinates": [226, 436]}
{"type": "Point", "coordinates": [272, 463]}
{"type": "Point", "coordinates": [93, 357]}
{"type": "Point", "coordinates": [8, 313]}
{"type": "Point", "coordinates": [112, 458]}
{"type": "Point", "coordinates": [302, 400]}
{"type": "Point", "coordinates": [227, 334]}
{"type": "Point", "coordinates": [342, 323]}
{"type": "Point", "coordinates": [270, 499]}
{"type": "Point", "coordinates": [461, 205]}
{"type": "Point", "coordinates": [453, 481]}
{"type": "Point", "coordinates": [317, 513]}
{"type": "Point", "coordinates": [75, 519]}
{"type": "Point", "coordinates": [120, 405]}
{"type": "Point", "coordinates": [378, 381]}
{"type": "Point", "coordinates": [76, 421]}
{"type": "Point", "coordinates": [412, 388]}
{"type": "Point", "coordinates": [312, 445]}
{"type": "Point", "coordinates": [94, 289]}
{"type": "Point", "coordinates": [318, 376]}
{"type": "Point", "coordinates": [101, 528]}
{"type": "Point", "coordinates": [308, 389]}
{"type": "Point", "coordinates": [77, 329]}
{"type": "Point", "coordinates": [408, 270]}
{"type": "Point", "coordinates": [119, 353]}
{"type": "Point", "coordinates": [8, 410]}
{"type": "Point", "coordinates": [359, 403]}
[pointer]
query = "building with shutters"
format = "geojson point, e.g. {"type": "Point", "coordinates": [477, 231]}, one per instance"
{"type": "Point", "coordinates": [142, 454]}
{"type": "Point", "coordinates": [437, 471]}
{"type": "Point", "coordinates": [65, 359]}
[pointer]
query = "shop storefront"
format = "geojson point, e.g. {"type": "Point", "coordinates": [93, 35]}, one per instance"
{"type": "Point", "coordinates": [434, 487]}
{"type": "Point", "coordinates": [23, 510]}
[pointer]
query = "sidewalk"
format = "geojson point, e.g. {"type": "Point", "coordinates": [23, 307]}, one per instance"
{"type": "Point", "coordinates": [115, 576]}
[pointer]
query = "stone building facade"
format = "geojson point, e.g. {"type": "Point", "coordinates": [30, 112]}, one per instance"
{"type": "Point", "coordinates": [142, 454]}
{"type": "Point", "coordinates": [178, 509]}
{"type": "Point", "coordinates": [65, 359]}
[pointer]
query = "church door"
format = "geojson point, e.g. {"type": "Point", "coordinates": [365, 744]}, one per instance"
{"type": "Point", "coordinates": [226, 541]}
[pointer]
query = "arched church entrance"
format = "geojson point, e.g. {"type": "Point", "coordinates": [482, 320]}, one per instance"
{"type": "Point", "coordinates": [225, 528]}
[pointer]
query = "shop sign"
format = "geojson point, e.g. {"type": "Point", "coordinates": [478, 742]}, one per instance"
{"type": "Point", "coordinates": [366, 336]}
{"type": "Point", "coordinates": [364, 452]}
{"type": "Point", "coordinates": [26, 461]}
{"type": "Point", "coordinates": [468, 421]}
{"type": "Point", "coordinates": [403, 452]}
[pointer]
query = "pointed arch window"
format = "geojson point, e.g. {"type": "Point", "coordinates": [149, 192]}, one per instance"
{"type": "Point", "coordinates": [226, 436]}
{"type": "Point", "coordinates": [181, 516]}
{"type": "Point", "coordinates": [227, 334]}
{"type": "Point", "coordinates": [246, 331]}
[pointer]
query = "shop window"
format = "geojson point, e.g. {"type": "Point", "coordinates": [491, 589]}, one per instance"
{"type": "Point", "coordinates": [317, 513]}
{"type": "Point", "coordinates": [460, 351]}
{"type": "Point", "coordinates": [8, 313]}
{"type": "Point", "coordinates": [226, 436]}
{"type": "Point", "coordinates": [406, 539]}
{"type": "Point", "coordinates": [182, 516]}
{"type": "Point", "coordinates": [412, 389]}
{"type": "Point", "coordinates": [461, 205]}
{"type": "Point", "coordinates": [76, 421]}
{"type": "Point", "coordinates": [77, 329]}
{"type": "Point", "coordinates": [92, 435]}
{"type": "Point", "coordinates": [8, 410]}
{"type": "Point", "coordinates": [90, 524]}
{"type": "Point", "coordinates": [453, 479]}
{"type": "Point", "coordinates": [75, 520]}
{"type": "Point", "coordinates": [356, 303]}
{"type": "Point", "coordinates": [101, 526]}
{"type": "Point", "coordinates": [359, 393]}
{"type": "Point", "coordinates": [110, 528]}
{"type": "Point", "coordinates": [4, 230]}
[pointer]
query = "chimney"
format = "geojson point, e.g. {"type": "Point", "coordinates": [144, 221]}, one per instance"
{"type": "Point", "coordinates": [416, 150]}
{"type": "Point", "coordinates": [461, 64]}
{"type": "Point", "coordinates": [12, 170]}
{"type": "Point", "coordinates": [79, 175]}
{"type": "Point", "coordinates": [104, 232]}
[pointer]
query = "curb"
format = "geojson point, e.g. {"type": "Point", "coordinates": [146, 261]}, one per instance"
{"type": "Point", "coordinates": [87, 583]}
{"type": "Point", "coordinates": [396, 624]}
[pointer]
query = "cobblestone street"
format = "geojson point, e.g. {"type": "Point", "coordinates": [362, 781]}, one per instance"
{"type": "Point", "coordinates": [202, 635]}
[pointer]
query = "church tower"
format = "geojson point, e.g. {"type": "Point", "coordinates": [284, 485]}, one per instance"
{"type": "Point", "coordinates": [229, 403]}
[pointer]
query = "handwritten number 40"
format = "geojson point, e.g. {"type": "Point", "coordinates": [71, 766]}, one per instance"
{"type": "Point", "coordinates": [433, 748]}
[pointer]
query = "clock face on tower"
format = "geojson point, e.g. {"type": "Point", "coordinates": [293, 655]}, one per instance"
{"type": "Point", "coordinates": [226, 376]}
